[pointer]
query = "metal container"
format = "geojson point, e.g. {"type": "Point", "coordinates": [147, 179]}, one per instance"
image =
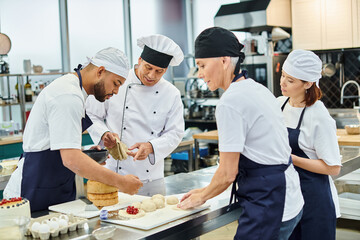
{"type": "Point", "coordinates": [98, 156]}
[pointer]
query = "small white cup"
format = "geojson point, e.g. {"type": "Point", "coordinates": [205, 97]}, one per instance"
{"type": "Point", "coordinates": [27, 65]}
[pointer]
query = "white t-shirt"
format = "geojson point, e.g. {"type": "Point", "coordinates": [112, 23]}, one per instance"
{"type": "Point", "coordinates": [55, 119]}
{"type": "Point", "coordinates": [249, 121]}
{"type": "Point", "coordinates": [317, 137]}
{"type": "Point", "coordinates": [54, 122]}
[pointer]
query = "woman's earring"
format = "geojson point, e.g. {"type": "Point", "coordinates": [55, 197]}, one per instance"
{"type": "Point", "coordinates": [306, 91]}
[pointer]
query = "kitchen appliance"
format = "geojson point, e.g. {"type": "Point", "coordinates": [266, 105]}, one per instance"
{"type": "Point", "coordinates": [5, 46]}
{"type": "Point", "coordinates": [209, 112]}
{"type": "Point", "coordinates": [254, 15]}
{"type": "Point", "coordinates": [196, 111]}
{"type": "Point", "coordinates": [266, 70]}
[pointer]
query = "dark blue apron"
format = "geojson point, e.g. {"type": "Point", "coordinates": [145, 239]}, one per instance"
{"type": "Point", "coordinates": [45, 180]}
{"type": "Point", "coordinates": [261, 193]}
{"type": "Point", "coordinates": [319, 218]}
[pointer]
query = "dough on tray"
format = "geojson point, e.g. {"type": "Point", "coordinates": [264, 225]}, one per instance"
{"type": "Point", "coordinates": [158, 196]}
{"type": "Point", "coordinates": [136, 205]}
{"type": "Point", "coordinates": [159, 203]}
{"type": "Point", "coordinates": [172, 200]}
{"type": "Point", "coordinates": [148, 206]}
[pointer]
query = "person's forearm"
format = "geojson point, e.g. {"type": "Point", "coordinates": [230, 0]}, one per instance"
{"type": "Point", "coordinates": [219, 183]}
{"type": "Point", "coordinates": [315, 165]}
{"type": "Point", "coordinates": [84, 166]}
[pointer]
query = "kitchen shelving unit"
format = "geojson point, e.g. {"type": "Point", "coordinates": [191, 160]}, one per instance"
{"type": "Point", "coordinates": [21, 80]}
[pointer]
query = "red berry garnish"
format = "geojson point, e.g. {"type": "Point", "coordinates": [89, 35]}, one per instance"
{"type": "Point", "coordinates": [132, 210]}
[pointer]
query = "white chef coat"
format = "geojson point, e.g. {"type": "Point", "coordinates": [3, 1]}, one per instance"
{"type": "Point", "coordinates": [249, 121]}
{"type": "Point", "coordinates": [140, 113]}
{"type": "Point", "coordinates": [54, 123]}
{"type": "Point", "coordinates": [317, 137]}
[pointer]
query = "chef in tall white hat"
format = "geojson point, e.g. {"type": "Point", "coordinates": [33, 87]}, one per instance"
{"type": "Point", "coordinates": [314, 146]}
{"type": "Point", "coordinates": [146, 114]}
{"type": "Point", "coordinates": [52, 137]}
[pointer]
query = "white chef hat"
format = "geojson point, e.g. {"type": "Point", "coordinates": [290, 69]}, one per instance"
{"type": "Point", "coordinates": [304, 65]}
{"type": "Point", "coordinates": [113, 60]}
{"type": "Point", "coordinates": [160, 51]}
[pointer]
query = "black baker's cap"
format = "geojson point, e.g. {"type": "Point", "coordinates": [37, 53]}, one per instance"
{"type": "Point", "coordinates": [219, 42]}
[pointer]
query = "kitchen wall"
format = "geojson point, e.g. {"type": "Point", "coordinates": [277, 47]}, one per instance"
{"type": "Point", "coordinates": [330, 86]}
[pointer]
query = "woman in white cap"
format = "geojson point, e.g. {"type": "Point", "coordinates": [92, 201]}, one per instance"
{"type": "Point", "coordinates": [313, 141]}
{"type": "Point", "coordinates": [253, 144]}
{"type": "Point", "coordinates": [52, 137]}
{"type": "Point", "coordinates": [146, 114]}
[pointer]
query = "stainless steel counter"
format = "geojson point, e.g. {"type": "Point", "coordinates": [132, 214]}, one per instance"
{"type": "Point", "coordinates": [350, 160]}
{"type": "Point", "coordinates": [218, 215]}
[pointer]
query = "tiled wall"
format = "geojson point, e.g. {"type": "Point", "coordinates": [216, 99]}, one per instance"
{"type": "Point", "coordinates": [330, 86]}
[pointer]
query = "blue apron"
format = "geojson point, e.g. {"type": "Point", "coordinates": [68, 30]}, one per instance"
{"type": "Point", "coordinates": [45, 180]}
{"type": "Point", "coordinates": [319, 218]}
{"type": "Point", "coordinates": [261, 193]}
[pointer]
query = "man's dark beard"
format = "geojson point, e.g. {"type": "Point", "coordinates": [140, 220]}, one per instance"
{"type": "Point", "coordinates": [99, 91]}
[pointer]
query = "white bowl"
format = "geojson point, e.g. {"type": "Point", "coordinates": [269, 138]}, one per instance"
{"type": "Point", "coordinates": [104, 232]}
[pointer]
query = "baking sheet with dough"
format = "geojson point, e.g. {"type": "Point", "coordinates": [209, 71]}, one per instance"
{"type": "Point", "coordinates": [158, 217]}
{"type": "Point", "coordinates": [77, 207]}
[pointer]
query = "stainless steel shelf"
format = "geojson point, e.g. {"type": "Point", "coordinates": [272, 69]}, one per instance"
{"type": "Point", "coordinates": [32, 74]}
{"type": "Point", "coordinates": [8, 104]}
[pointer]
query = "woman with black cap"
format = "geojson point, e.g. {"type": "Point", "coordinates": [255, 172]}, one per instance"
{"type": "Point", "coordinates": [253, 144]}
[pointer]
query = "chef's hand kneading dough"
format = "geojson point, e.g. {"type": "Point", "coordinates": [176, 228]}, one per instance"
{"type": "Point", "coordinates": [118, 152]}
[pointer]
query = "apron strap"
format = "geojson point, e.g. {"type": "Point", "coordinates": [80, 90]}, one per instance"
{"type": "Point", "coordinates": [243, 73]}
{"type": "Point", "coordinates": [301, 116]}
{"type": "Point", "coordinates": [233, 191]}
{"type": "Point", "coordinates": [77, 70]}
{"type": "Point", "coordinates": [283, 106]}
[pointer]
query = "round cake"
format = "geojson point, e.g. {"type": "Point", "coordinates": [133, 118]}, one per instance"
{"type": "Point", "coordinates": [17, 206]}
{"type": "Point", "coordinates": [101, 194]}
{"type": "Point", "coordinates": [98, 187]}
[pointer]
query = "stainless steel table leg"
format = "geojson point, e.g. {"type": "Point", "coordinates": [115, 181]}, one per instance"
{"type": "Point", "coordinates": [191, 159]}
{"type": "Point", "coordinates": [197, 157]}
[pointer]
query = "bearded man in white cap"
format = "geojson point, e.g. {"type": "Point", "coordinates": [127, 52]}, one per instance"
{"type": "Point", "coordinates": [146, 114]}
{"type": "Point", "coordinates": [52, 137]}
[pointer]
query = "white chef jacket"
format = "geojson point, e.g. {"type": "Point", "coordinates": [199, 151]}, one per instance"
{"type": "Point", "coordinates": [317, 137]}
{"type": "Point", "coordinates": [54, 123]}
{"type": "Point", "coordinates": [249, 121]}
{"type": "Point", "coordinates": [140, 113]}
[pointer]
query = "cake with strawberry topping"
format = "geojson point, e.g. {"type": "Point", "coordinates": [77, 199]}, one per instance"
{"type": "Point", "coordinates": [131, 212]}
{"type": "Point", "coordinates": [16, 206]}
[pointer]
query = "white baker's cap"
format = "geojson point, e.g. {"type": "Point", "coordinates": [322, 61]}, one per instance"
{"type": "Point", "coordinates": [113, 60]}
{"type": "Point", "coordinates": [304, 65]}
{"type": "Point", "coordinates": [160, 51]}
